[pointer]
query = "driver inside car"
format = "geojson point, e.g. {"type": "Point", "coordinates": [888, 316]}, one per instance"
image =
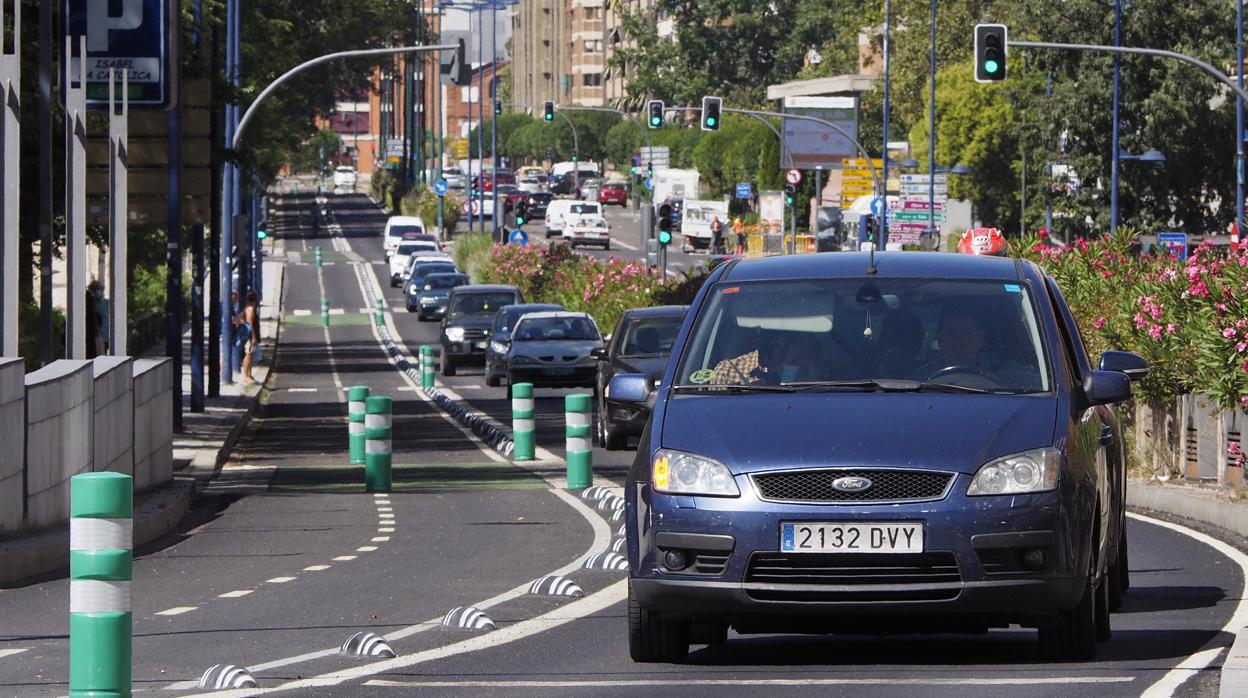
{"type": "Point", "coordinates": [959, 343]}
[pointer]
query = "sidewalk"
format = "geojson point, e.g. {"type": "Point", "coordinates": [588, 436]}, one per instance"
{"type": "Point", "coordinates": [199, 450]}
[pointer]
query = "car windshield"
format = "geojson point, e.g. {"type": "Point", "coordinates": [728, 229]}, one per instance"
{"type": "Point", "coordinates": [442, 281]}
{"type": "Point", "coordinates": [402, 230]}
{"type": "Point", "coordinates": [480, 303]}
{"type": "Point", "coordinates": [652, 336]}
{"type": "Point", "coordinates": [417, 246]}
{"type": "Point", "coordinates": [885, 334]}
{"type": "Point", "coordinates": [420, 272]}
{"type": "Point", "coordinates": [556, 329]}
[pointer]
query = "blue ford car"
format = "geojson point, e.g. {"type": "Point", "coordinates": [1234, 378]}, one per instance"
{"type": "Point", "coordinates": [914, 442]}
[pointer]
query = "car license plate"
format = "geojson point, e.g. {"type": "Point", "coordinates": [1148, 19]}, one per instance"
{"type": "Point", "coordinates": [851, 537]}
{"type": "Point", "coordinates": [559, 371]}
{"type": "Point", "coordinates": [481, 344]}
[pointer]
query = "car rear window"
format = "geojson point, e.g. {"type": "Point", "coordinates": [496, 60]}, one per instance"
{"type": "Point", "coordinates": [480, 303]}
{"type": "Point", "coordinates": [973, 334]}
{"type": "Point", "coordinates": [413, 246]}
{"type": "Point", "coordinates": [441, 281]}
{"type": "Point", "coordinates": [404, 230]}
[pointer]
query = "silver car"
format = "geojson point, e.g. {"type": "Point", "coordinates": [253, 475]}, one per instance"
{"type": "Point", "coordinates": [554, 348]}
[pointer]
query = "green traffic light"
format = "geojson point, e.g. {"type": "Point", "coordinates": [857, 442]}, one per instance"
{"type": "Point", "coordinates": [991, 66]}
{"type": "Point", "coordinates": [710, 121]}
{"type": "Point", "coordinates": [654, 121]}
{"type": "Point", "coordinates": [665, 237]}
{"type": "Point", "coordinates": [262, 234]}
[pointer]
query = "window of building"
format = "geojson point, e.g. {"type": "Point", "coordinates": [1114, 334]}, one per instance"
{"type": "Point", "coordinates": [593, 46]}
{"type": "Point", "coordinates": [591, 79]}
{"type": "Point", "coordinates": [593, 13]}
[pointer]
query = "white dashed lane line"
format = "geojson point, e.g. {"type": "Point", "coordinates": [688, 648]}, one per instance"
{"type": "Point", "coordinates": [11, 652]}
{"type": "Point", "coordinates": [279, 580]}
{"type": "Point", "coordinates": [380, 539]}
{"type": "Point", "coordinates": [366, 549]}
{"type": "Point", "coordinates": [236, 594]}
{"type": "Point", "coordinates": [176, 610]}
{"type": "Point", "coordinates": [344, 558]}
{"type": "Point", "coordinates": [315, 568]}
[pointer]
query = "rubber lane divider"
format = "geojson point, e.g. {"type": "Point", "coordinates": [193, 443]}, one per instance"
{"type": "Point", "coordinates": [579, 449]}
{"type": "Point", "coordinates": [356, 395]}
{"type": "Point", "coordinates": [377, 443]}
{"type": "Point", "coordinates": [522, 424]}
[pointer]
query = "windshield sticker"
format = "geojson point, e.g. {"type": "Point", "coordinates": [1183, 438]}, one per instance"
{"type": "Point", "coordinates": [701, 377]}
{"type": "Point", "coordinates": [1013, 288]}
{"type": "Point", "coordinates": [731, 289]}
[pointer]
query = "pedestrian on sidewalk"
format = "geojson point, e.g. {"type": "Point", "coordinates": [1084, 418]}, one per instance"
{"type": "Point", "coordinates": [250, 329]}
{"type": "Point", "coordinates": [738, 227]}
{"type": "Point", "coordinates": [717, 236]}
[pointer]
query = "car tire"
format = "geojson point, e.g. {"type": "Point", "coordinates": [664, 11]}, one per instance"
{"type": "Point", "coordinates": [448, 366]}
{"type": "Point", "coordinates": [610, 439]}
{"type": "Point", "coordinates": [606, 246]}
{"type": "Point", "coordinates": [651, 638]}
{"type": "Point", "coordinates": [492, 380]}
{"type": "Point", "coordinates": [1124, 569]}
{"type": "Point", "coordinates": [1073, 638]}
{"type": "Point", "coordinates": [1114, 576]}
{"type": "Point", "coordinates": [421, 317]}
{"type": "Point", "coordinates": [1103, 630]}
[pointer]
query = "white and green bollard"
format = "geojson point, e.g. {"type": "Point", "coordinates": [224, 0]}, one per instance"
{"type": "Point", "coordinates": [377, 443]}
{"type": "Point", "coordinates": [325, 312]}
{"type": "Point", "coordinates": [356, 395]}
{"type": "Point", "coordinates": [101, 542]}
{"type": "Point", "coordinates": [320, 261]}
{"type": "Point", "coordinates": [379, 316]}
{"type": "Point", "coordinates": [522, 422]}
{"type": "Point", "coordinates": [579, 445]}
{"type": "Point", "coordinates": [426, 367]}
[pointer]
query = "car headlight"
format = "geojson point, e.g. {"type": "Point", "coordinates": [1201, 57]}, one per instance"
{"type": "Point", "coordinates": [675, 472]}
{"type": "Point", "coordinates": [413, 289]}
{"type": "Point", "coordinates": [1029, 471]}
{"type": "Point", "coordinates": [498, 347]}
{"type": "Point", "coordinates": [455, 334]}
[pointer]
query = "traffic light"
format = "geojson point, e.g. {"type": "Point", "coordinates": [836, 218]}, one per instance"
{"type": "Point", "coordinates": [498, 108]}
{"type": "Point", "coordinates": [261, 234]}
{"type": "Point", "coordinates": [655, 108]}
{"type": "Point", "coordinates": [990, 52]}
{"type": "Point", "coordinates": [548, 112]}
{"type": "Point", "coordinates": [665, 224]}
{"type": "Point", "coordinates": [522, 209]}
{"type": "Point", "coordinates": [790, 194]}
{"type": "Point", "coordinates": [573, 156]}
{"type": "Point", "coordinates": [710, 113]}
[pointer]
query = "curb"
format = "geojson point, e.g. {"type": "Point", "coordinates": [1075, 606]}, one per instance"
{"type": "Point", "coordinates": [159, 511]}
{"type": "Point", "coordinates": [1228, 516]}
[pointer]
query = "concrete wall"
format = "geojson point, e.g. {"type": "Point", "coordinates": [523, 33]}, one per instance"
{"type": "Point", "coordinates": [12, 439]}
{"type": "Point", "coordinates": [113, 423]}
{"type": "Point", "coordinates": [59, 418]}
{"type": "Point", "coordinates": [153, 422]}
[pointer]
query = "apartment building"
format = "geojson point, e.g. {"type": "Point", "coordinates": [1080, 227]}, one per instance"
{"type": "Point", "coordinates": [539, 52]}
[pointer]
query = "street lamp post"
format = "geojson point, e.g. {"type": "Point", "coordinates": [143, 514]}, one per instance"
{"type": "Point", "coordinates": [931, 130]}
{"type": "Point", "coordinates": [1113, 193]}
{"type": "Point", "coordinates": [1239, 119]}
{"type": "Point", "coordinates": [888, 18]}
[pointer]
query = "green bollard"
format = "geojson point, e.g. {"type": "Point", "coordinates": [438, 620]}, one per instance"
{"type": "Point", "coordinates": [319, 258]}
{"type": "Point", "coordinates": [522, 422]}
{"type": "Point", "coordinates": [579, 446]}
{"type": "Point", "coordinates": [377, 430]}
{"type": "Point", "coordinates": [426, 367]}
{"type": "Point", "coordinates": [324, 312]}
{"type": "Point", "coordinates": [379, 315]}
{"type": "Point", "coordinates": [356, 395]}
{"type": "Point", "coordinates": [101, 542]}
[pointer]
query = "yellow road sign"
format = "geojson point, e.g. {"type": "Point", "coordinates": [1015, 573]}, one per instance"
{"type": "Point", "coordinates": [860, 163]}
{"type": "Point", "coordinates": [855, 174]}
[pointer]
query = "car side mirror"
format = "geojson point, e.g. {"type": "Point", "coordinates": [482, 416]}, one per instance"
{"type": "Point", "coordinates": [628, 387]}
{"type": "Point", "coordinates": [1107, 387]}
{"type": "Point", "coordinates": [599, 353]}
{"type": "Point", "coordinates": [1134, 365]}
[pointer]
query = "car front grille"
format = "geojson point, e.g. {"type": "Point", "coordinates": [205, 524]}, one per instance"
{"type": "Point", "coordinates": [854, 576]}
{"type": "Point", "coordinates": [473, 334]}
{"type": "Point", "coordinates": [886, 485]}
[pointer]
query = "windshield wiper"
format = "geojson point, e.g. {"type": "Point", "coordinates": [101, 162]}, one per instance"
{"type": "Point", "coordinates": [888, 385]}
{"type": "Point", "coordinates": [734, 388]}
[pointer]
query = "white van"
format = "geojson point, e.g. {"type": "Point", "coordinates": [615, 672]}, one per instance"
{"type": "Point", "coordinates": [561, 212]}
{"type": "Point", "coordinates": [396, 228]}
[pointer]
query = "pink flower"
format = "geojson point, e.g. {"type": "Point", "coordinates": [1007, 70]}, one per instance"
{"type": "Point", "coordinates": [1154, 331]}
{"type": "Point", "coordinates": [1100, 322]}
{"type": "Point", "coordinates": [1228, 332]}
{"type": "Point", "coordinates": [1171, 328]}
{"type": "Point", "coordinates": [1244, 401]}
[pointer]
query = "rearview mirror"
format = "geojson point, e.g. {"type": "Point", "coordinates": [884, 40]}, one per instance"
{"type": "Point", "coordinates": [1134, 365]}
{"type": "Point", "coordinates": [627, 387]}
{"type": "Point", "coordinates": [1107, 387]}
{"type": "Point", "coordinates": [599, 353]}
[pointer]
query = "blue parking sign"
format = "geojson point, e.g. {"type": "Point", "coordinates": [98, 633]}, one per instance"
{"type": "Point", "coordinates": [744, 190]}
{"type": "Point", "coordinates": [131, 36]}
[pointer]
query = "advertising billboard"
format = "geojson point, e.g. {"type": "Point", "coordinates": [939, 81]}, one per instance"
{"type": "Point", "coordinates": [814, 144]}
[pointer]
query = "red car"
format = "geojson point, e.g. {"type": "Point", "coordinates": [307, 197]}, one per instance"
{"type": "Point", "coordinates": [487, 180]}
{"type": "Point", "coordinates": [613, 193]}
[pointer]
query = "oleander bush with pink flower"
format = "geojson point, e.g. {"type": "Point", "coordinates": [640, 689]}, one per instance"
{"type": "Point", "coordinates": [602, 288]}
{"type": "Point", "coordinates": [1188, 318]}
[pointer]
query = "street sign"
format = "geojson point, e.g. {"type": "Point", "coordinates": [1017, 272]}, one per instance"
{"type": "Point", "coordinates": [657, 157]}
{"type": "Point", "coordinates": [904, 238]}
{"type": "Point", "coordinates": [921, 204]}
{"type": "Point", "coordinates": [140, 40]}
{"type": "Point", "coordinates": [650, 183]}
{"type": "Point", "coordinates": [744, 190]}
{"type": "Point", "coordinates": [856, 174]}
{"type": "Point", "coordinates": [1174, 243]}
{"type": "Point", "coordinates": [439, 187]}
{"type": "Point", "coordinates": [923, 189]}
{"type": "Point", "coordinates": [861, 163]}
{"type": "Point", "coordinates": [518, 237]}
{"type": "Point", "coordinates": [905, 226]}
{"type": "Point", "coordinates": [941, 178]}
{"type": "Point", "coordinates": [793, 177]}
{"type": "Point", "coordinates": [912, 215]}
{"type": "Point", "coordinates": [877, 206]}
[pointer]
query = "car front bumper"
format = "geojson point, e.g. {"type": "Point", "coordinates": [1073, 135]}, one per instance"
{"type": "Point", "coordinates": [467, 349]}
{"type": "Point", "coordinates": [971, 570]}
{"type": "Point", "coordinates": [554, 376]}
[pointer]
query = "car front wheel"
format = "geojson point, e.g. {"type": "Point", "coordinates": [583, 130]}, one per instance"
{"type": "Point", "coordinates": [651, 638]}
{"type": "Point", "coordinates": [448, 365]}
{"type": "Point", "coordinates": [1074, 636]}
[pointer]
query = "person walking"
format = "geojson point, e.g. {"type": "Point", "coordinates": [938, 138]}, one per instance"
{"type": "Point", "coordinates": [249, 327]}
{"type": "Point", "coordinates": [717, 236]}
{"type": "Point", "coordinates": [738, 227]}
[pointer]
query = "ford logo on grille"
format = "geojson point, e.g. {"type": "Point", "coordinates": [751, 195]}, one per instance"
{"type": "Point", "coordinates": [851, 484]}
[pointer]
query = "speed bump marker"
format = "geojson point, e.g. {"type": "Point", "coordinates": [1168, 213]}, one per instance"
{"type": "Point", "coordinates": [606, 561]}
{"type": "Point", "coordinates": [617, 515]}
{"type": "Point", "coordinates": [618, 545]}
{"type": "Point", "coordinates": [622, 530]}
{"type": "Point", "coordinates": [469, 618]}
{"type": "Point", "coordinates": [595, 493]}
{"type": "Point", "coordinates": [556, 585]}
{"type": "Point", "coordinates": [367, 645]}
{"type": "Point", "coordinates": [222, 676]}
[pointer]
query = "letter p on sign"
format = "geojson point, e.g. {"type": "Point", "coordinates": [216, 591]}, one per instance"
{"type": "Point", "coordinates": [100, 23]}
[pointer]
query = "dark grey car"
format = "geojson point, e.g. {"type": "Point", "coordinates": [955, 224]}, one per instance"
{"type": "Point", "coordinates": [500, 338]}
{"type": "Point", "coordinates": [555, 349]}
{"type": "Point", "coordinates": [431, 299]}
{"type": "Point", "coordinates": [466, 327]}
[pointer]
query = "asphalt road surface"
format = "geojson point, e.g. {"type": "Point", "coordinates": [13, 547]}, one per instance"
{"type": "Point", "coordinates": [286, 556]}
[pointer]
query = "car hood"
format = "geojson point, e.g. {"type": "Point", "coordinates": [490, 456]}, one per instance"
{"type": "Point", "coordinates": [770, 431]}
{"type": "Point", "coordinates": [557, 349]}
{"type": "Point", "coordinates": [652, 366]}
{"type": "Point", "coordinates": [480, 321]}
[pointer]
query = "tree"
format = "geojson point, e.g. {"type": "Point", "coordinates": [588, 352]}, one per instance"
{"type": "Point", "coordinates": [310, 158]}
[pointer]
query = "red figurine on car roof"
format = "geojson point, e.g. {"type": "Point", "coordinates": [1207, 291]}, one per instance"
{"type": "Point", "coordinates": [983, 241]}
